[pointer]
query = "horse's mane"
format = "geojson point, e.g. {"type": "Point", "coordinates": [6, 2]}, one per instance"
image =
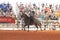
{"type": "Point", "coordinates": [26, 16]}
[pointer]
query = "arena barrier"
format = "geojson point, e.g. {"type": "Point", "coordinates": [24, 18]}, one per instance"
{"type": "Point", "coordinates": [7, 20]}
{"type": "Point", "coordinates": [9, 26]}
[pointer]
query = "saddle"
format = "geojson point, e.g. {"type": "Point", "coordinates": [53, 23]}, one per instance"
{"type": "Point", "coordinates": [31, 20]}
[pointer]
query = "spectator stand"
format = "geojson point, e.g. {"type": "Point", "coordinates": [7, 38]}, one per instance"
{"type": "Point", "coordinates": [7, 21]}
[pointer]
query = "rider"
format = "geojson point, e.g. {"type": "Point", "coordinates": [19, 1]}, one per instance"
{"type": "Point", "coordinates": [32, 15]}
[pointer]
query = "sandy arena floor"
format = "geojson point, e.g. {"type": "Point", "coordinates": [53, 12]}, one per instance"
{"type": "Point", "coordinates": [32, 35]}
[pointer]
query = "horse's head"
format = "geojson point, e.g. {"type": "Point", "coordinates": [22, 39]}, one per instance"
{"type": "Point", "coordinates": [23, 16]}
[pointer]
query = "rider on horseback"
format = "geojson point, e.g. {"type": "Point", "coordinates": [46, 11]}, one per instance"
{"type": "Point", "coordinates": [32, 15]}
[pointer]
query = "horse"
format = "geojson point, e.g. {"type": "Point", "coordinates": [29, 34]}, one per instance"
{"type": "Point", "coordinates": [28, 21]}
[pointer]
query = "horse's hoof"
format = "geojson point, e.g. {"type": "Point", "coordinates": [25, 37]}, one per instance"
{"type": "Point", "coordinates": [28, 31]}
{"type": "Point", "coordinates": [53, 29]}
{"type": "Point", "coordinates": [22, 29]}
{"type": "Point", "coordinates": [41, 30]}
{"type": "Point", "coordinates": [44, 29]}
{"type": "Point", "coordinates": [36, 30]}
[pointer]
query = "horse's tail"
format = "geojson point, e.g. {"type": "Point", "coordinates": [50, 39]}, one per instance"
{"type": "Point", "coordinates": [40, 24]}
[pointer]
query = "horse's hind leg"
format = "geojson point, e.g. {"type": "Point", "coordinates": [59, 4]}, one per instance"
{"type": "Point", "coordinates": [40, 26]}
{"type": "Point", "coordinates": [36, 27]}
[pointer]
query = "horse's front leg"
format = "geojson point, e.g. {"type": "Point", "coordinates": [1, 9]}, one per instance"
{"type": "Point", "coordinates": [37, 28]}
{"type": "Point", "coordinates": [54, 28]}
{"type": "Point", "coordinates": [24, 27]}
{"type": "Point", "coordinates": [28, 28]}
{"type": "Point", "coordinates": [44, 27]}
{"type": "Point", "coordinates": [59, 27]}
